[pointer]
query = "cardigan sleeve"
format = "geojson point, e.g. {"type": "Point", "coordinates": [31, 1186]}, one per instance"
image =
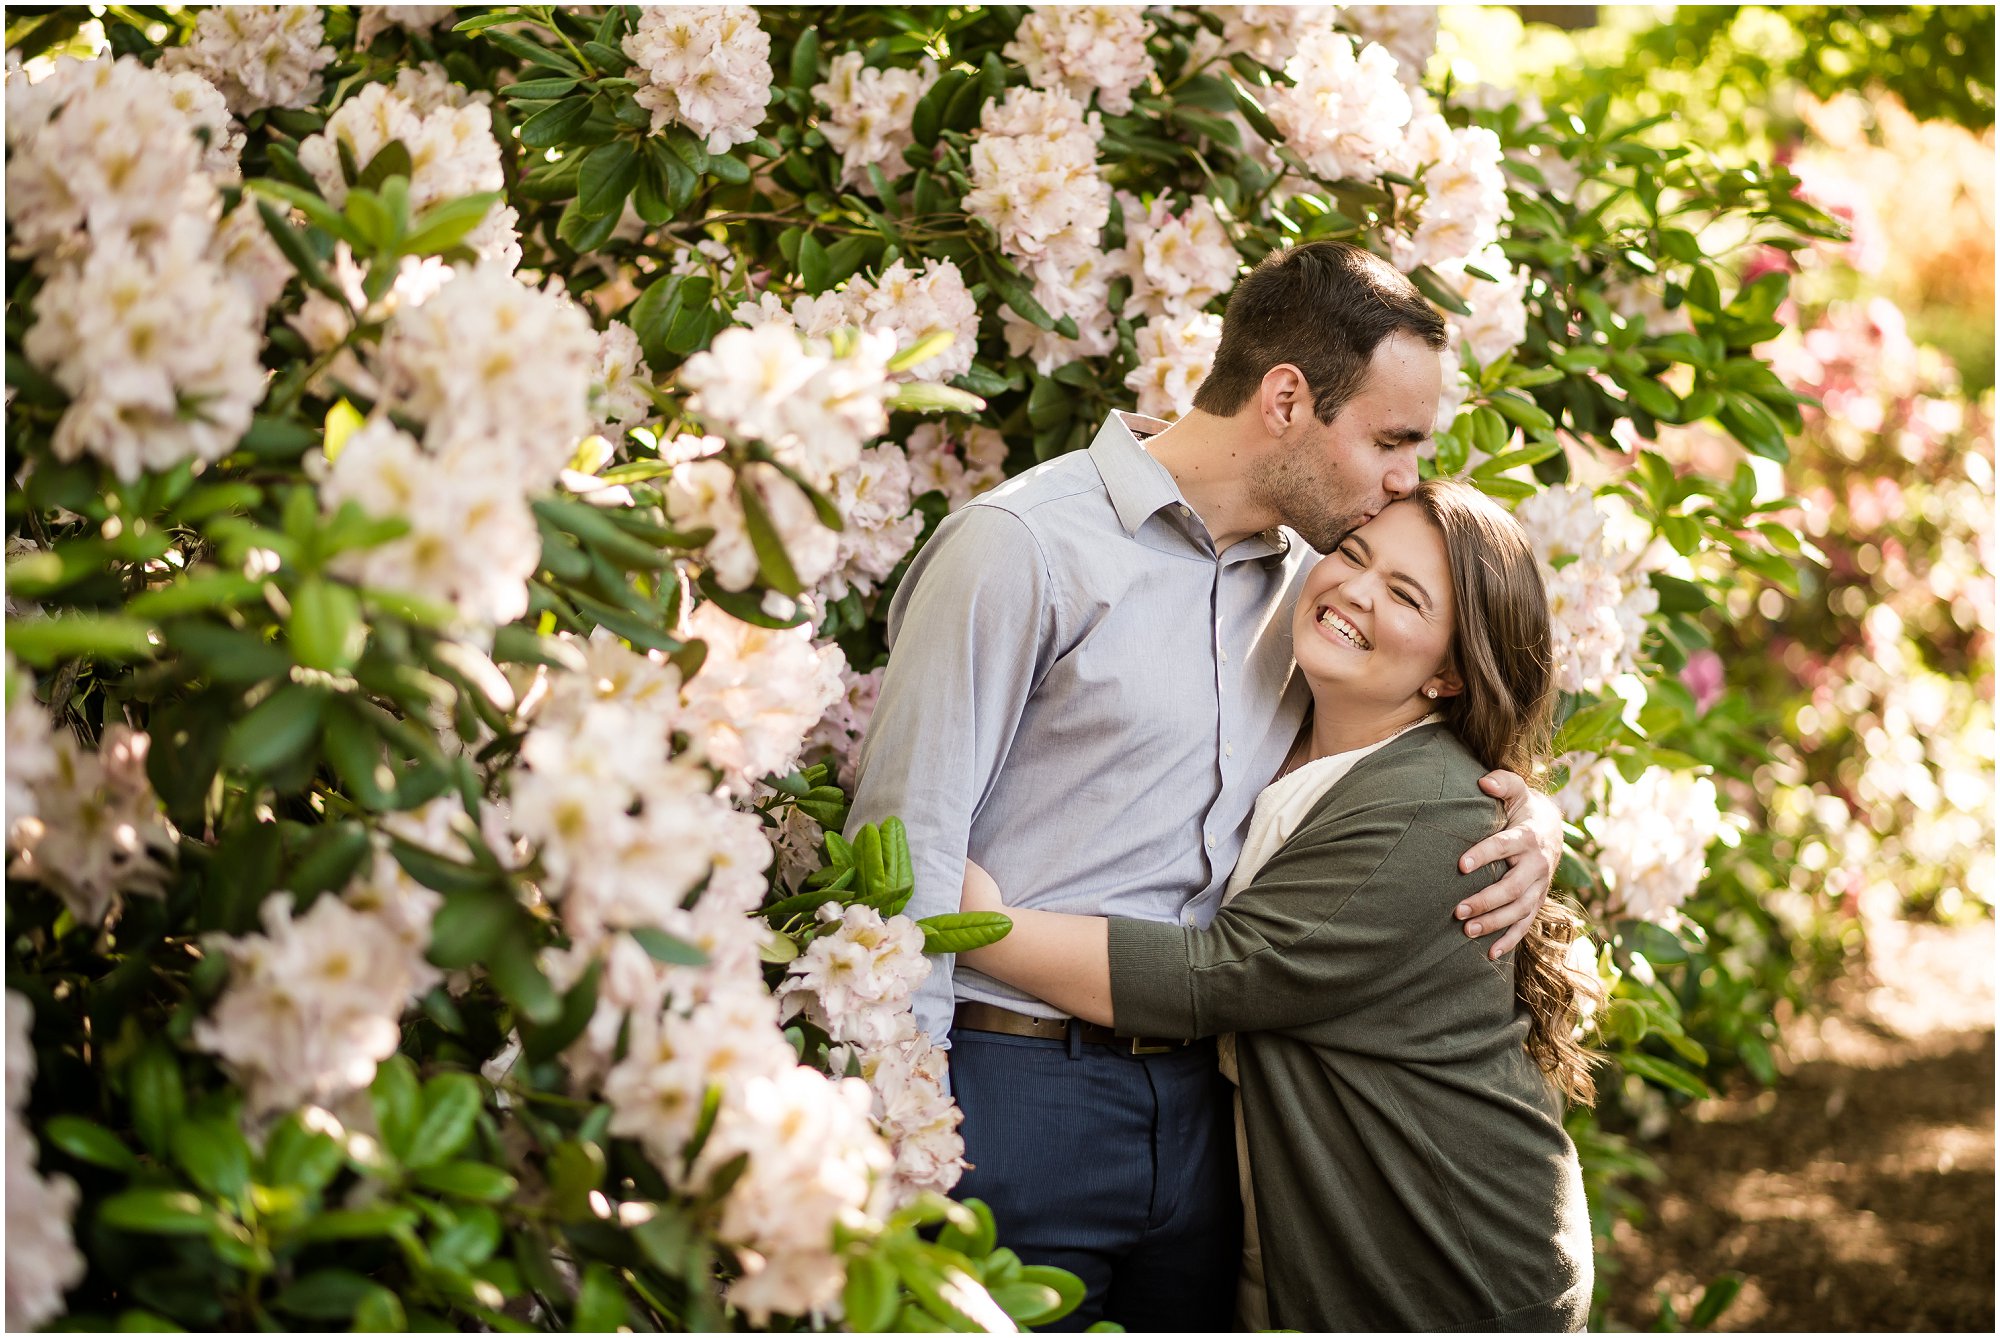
{"type": "Point", "coordinates": [1338, 916]}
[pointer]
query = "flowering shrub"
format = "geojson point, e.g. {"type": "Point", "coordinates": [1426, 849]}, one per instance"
{"type": "Point", "coordinates": [461, 460]}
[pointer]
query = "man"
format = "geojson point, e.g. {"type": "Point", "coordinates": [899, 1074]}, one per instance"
{"type": "Point", "coordinates": [1090, 681]}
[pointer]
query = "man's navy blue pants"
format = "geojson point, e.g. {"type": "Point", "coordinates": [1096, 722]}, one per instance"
{"type": "Point", "coordinates": [1120, 1168]}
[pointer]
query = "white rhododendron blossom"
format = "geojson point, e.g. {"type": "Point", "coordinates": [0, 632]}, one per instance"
{"type": "Point", "coordinates": [313, 1003]}
{"type": "Point", "coordinates": [758, 694]}
{"type": "Point", "coordinates": [42, 1259]}
{"type": "Point", "coordinates": [452, 154]}
{"type": "Point", "coordinates": [707, 67]}
{"type": "Point", "coordinates": [1271, 34]}
{"type": "Point", "coordinates": [1407, 32]}
{"type": "Point", "coordinates": [839, 732]}
{"type": "Point", "coordinates": [157, 349]}
{"type": "Point", "coordinates": [202, 103]}
{"type": "Point", "coordinates": [496, 366]}
{"type": "Point", "coordinates": [96, 833]}
{"type": "Point", "coordinates": [472, 542]}
{"type": "Point", "coordinates": [251, 258]}
{"type": "Point", "coordinates": [1597, 562]}
{"type": "Point", "coordinates": [1499, 319]}
{"type": "Point", "coordinates": [1075, 283]}
{"type": "Point", "coordinates": [427, 86]}
{"type": "Point", "coordinates": [915, 1113]}
{"type": "Point", "coordinates": [961, 464]}
{"type": "Point", "coordinates": [702, 494]}
{"type": "Point", "coordinates": [914, 304]}
{"type": "Point", "coordinates": [1178, 263]}
{"type": "Point", "coordinates": [32, 760]}
{"type": "Point", "coordinates": [1085, 50]}
{"type": "Point", "coordinates": [258, 55]}
{"type": "Point", "coordinates": [869, 112]}
{"type": "Point", "coordinates": [855, 982]}
{"type": "Point", "coordinates": [618, 400]}
{"type": "Point", "coordinates": [403, 906]}
{"type": "Point", "coordinates": [1584, 790]}
{"type": "Point", "coordinates": [1175, 353]}
{"type": "Point", "coordinates": [378, 19]}
{"type": "Point", "coordinates": [1465, 201]}
{"type": "Point", "coordinates": [1652, 840]}
{"type": "Point", "coordinates": [1344, 113]}
{"type": "Point", "coordinates": [879, 528]}
{"type": "Point", "coordinates": [814, 407]}
{"type": "Point", "coordinates": [1034, 175]}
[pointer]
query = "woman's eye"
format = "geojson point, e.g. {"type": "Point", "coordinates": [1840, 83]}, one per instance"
{"type": "Point", "coordinates": [1406, 598]}
{"type": "Point", "coordinates": [1347, 551]}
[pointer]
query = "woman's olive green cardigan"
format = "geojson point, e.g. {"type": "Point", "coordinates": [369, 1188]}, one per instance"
{"type": "Point", "coordinates": [1408, 1158]}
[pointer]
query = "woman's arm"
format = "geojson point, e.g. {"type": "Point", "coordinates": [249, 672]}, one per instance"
{"type": "Point", "coordinates": [1060, 959]}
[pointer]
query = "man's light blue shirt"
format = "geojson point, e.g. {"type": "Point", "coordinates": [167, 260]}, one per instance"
{"type": "Point", "coordinates": [1083, 697]}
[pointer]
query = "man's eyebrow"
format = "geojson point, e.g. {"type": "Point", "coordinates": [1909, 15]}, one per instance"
{"type": "Point", "coordinates": [1402, 434]}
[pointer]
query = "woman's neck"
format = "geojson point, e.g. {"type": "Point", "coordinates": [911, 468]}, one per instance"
{"type": "Point", "coordinates": [1342, 728]}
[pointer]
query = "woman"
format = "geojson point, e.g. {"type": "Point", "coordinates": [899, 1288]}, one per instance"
{"type": "Point", "coordinates": [1400, 1094]}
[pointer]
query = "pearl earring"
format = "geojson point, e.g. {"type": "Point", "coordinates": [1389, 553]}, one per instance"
{"type": "Point", "coordinates": [1431, 692]}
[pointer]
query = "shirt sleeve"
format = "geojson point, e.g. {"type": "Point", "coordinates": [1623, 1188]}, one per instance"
{"type": "Point", "coordinates": [966, 633]}
{"type": "Point", "coordinates": [1339, 917]}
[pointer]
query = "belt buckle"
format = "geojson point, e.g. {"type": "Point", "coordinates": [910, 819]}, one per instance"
{"type": "Point", "coordinates": [1139, 1047]}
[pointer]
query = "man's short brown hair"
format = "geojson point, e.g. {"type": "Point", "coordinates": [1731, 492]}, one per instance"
{"type": "Point", "coordinates": [1323, 307]}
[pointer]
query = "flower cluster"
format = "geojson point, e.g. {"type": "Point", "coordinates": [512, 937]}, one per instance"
{"type": "Point", "coordinates": [1407, 32]}
{"type": "Point", "coordinates": [878, 528]}
{"type": "Point", "coordinates": [960, 464]}
{"type": "Point", "coordinates": [915, 1113]}
{"type": "Point", "coordinates": [1596, 561]}
{"type": "Point", "coordinates": [471, 543]}
{"type": "Point", "coordinates": [1034, 175]}
{"type": "Point", "coordinates": [42, 1259]}
{"type": "Point", "coordinates": [1652, 840]}
{"type": "Point", "coordinates": [1177, 264]}
{"type": "Point", "coordinates": [707, 67]}
{"type": "Point", "coordinates": [814, 402]}
{"type": "Point", "coordinates": [313, 1003]}
{"type": "Point", "coordinates": [378, 19]}
{"type": "Point", "coordinates": [856, 980]}
{"type": "Point", "coordinates": [93, 832]}
{"type": "Point", "coordinates": [1465, 199]}
{"type": "Point", "coordinates": [32, 759]}
{"type": "Point", "coordinates": [704, 495]}
{"type": "Point", "coordinates": [618, 400]}
{"type": "Point", "coordinates": [1085, 50]}
{"type": "Point", "coordinates": [1174, 357]}
{"type": "Point", "coordinates": [1271, 34]}
{"type": "Point", "coordinates": [451, 147]}
{"type": "Point", "coordinates": [493, 367]}
{"type": "Point", "coordinates": [869, 111]}
{"type": "Point", "coordinates": [1076, 284]}
{"type": "Point", "coordinates": [839, 732]}
{"type": "Point", "coordinates": [258, 55]}
{"type": "Point", "coordinates": [758, 693]}
{"type": "Point", "coordinates": [1344, 113]}
{"type": "Point", "coordinates": [912, 304]}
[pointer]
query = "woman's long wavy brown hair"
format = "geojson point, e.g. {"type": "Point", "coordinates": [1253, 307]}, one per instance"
{"type": "Point", "coordinates": [1503, 655]}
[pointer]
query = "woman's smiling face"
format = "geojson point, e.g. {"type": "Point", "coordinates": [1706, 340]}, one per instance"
{"type": "Point", "coordinates": [1374, 621]}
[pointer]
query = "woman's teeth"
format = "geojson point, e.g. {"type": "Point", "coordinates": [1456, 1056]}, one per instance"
{"type": "Point", "coordinates": [1346, 630]}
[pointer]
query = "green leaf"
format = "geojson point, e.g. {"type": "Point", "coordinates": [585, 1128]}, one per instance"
{"type": "Point", "coordinates": [600, 1305]}
{"type": "Point", "coordinates": [43, 641]}
{"type": "Point", "coordinates": [1663, 1074]}
{"type": "Point", "coordinates": [871, 1296]}
{"type": "Point", "coordinates": [154, 1086]}
{"type": "Point", "coordinates": [445, 225]}
{"type": "Point", "coordinates": [654, 313]}
{"type": "Point", "coordinates": [276, 730]}
{"type": "Point", "coordinates": [538, 90]}
{"type": "Point", "coordinates": [297, 1156]}
{"type": "Point", "coordinates": [774, 564]}
{"type": "Point", "coordinates": [555, 124]}
{"type": "Point", "coordinates": [608, 174]}
{"type": "Point", "coordinates": [1523, 413]}
{"type": "Point", "coordinates": [163, 1212]}
{"type": "Point", "coordinates": [397, 1101]}
{"type": "Point", "coordinates": [975, 1239]}
{"type": "Point", "coordinates": [813, 267]}
{"type": "Point", "coordinates": [469, 924]}
{"type": "Point", "coordinates": [391, 160]}
{"type": "Point", "coordinates": [381, 1311]}
{"type": "Point", "coordinates": [513, 969]}
{"type": "Point", "coordinates": [1716, 1298]}
{"type": "Point", "coordinates": [89, 1141]}
{"type": "Point", "coordinates": [664, 947]}
{"type": "Point", "coordinates": [295, 250]}
{"type": "Point", "coordinates": [534, 53]}
{"type": "Point", "coordinates": [468, 1180]}
{"type": "Point", "coordinates": [358, 1223]}
{"type": "Point", "coordinates": [805, 60]}
{"type": "Point", "coordinates": [327, 1293]}
{"type": "Point", "coordinates": [928, 115]}
{"type": "Point", "coordinates": [325, 627]}
{"type": "Point", "coordinates": [451, 1103]}
{"type": "Point", "coordinates": [1431, 286]}
{"type": "Point", "coordinates": [929, 397]}
{"type": "Point", "coordinates": [1066, 1285]}
{"type": "Point", "coordinates": [1016, 293]}
{"type": "Point", "coordinates": [963, 932]}
{"type": "Point", "coordinates": [215, 1156]}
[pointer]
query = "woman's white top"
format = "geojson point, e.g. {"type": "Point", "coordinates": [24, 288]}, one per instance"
{"type": "Point", "coordinates": [1285, 802]}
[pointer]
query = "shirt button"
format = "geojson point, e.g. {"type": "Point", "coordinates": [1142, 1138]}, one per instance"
{"type": "Point", "coordinates": [1188, 919]}
{"type": "Point", "coordinates": [1225, 657]}
{"type": "Point", "coordinates": [1184, 511]}
{"type": "Point", "coordinates": [1211, 843]}
{"type": "Point", "coordinates": [1228, 750]}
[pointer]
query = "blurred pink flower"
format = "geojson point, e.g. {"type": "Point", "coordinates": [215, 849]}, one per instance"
{"type": "Point", "coordinates": [1703, 677]}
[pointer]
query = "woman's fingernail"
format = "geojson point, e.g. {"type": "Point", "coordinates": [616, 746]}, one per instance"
{"type": "Point", "coordinates": [1473, 929]}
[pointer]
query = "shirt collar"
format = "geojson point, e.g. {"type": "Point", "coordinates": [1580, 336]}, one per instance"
{"type": "Point", "coordinates": [1137, 484]}
{"type": "Point", "coordinates": [1140, 487]}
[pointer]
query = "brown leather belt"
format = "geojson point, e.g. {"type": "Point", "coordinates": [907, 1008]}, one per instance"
{"type": "Point", "coordinates": [988, 1017]}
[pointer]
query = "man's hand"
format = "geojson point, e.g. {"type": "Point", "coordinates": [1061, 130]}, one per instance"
{"type": "Point", "coordinates": [1532, 847]}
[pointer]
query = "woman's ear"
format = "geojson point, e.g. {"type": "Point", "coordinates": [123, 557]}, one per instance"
{"type": "Point", "coordinates": [1445, 683]}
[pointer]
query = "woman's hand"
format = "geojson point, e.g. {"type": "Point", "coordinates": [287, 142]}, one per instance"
{"type": "Point", "coordinates": [980, 892]}
{"type": "Point", "coordinates": [1532, 847]}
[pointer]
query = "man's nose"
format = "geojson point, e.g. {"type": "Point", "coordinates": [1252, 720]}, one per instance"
{"type": "Point", "coordinates": [1401, 480]}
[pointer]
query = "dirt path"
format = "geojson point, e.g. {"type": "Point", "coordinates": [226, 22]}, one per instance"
{"type": "Point", "coordinates": [1859, 1194]}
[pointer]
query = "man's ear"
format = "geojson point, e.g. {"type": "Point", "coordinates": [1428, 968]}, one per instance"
{"type": "Point", "coordinates": [1282, 397]}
